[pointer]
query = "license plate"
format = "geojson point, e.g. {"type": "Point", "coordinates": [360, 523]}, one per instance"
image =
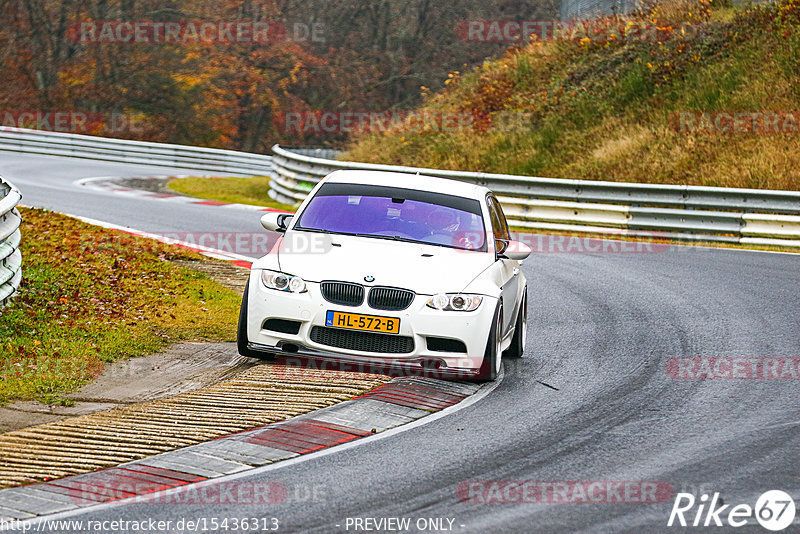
{"type": "Point", "coordinates": [356, 321]}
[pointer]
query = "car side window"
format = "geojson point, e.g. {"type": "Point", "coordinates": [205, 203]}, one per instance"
{"type": "Point", "coordinates": [499, 224]}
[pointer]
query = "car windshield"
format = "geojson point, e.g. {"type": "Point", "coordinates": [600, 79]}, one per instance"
{"type": "Point", "coordinates": [395, 213]}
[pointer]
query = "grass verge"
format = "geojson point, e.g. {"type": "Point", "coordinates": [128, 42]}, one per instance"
{"type": "Point", "coordinates": [91, 296]}
{"type": "Point", "coordinates": [254, 191]}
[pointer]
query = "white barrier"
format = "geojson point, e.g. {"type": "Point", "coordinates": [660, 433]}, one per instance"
{"type": "Point", "coordinates": [752, 216]}
{"type": "Point", "coordinates": [10, 237]}
{"type": "Point", "coordinates": [209, 160]}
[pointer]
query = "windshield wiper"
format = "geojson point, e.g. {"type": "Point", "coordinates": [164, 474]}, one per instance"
{"type": "Point", "coordinates": [386, 237]}
{"type": "Point", "coordinates": [391, 238]}
{"type": "Point", "coordinates": [321, 231]}
{"type": "Point", "coordinates": [362, 234]}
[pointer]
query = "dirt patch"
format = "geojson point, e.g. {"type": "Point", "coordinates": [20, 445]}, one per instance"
{"type": "Point", "coordinates": [224, 273]}
{"type": "Point", "coordinates": [183, 367]}
{"type": "Point", "coordinates": [153, 185]}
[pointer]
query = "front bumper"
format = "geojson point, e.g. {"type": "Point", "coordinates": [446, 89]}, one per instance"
{"type": "Point", "coordinates": [417, 322]}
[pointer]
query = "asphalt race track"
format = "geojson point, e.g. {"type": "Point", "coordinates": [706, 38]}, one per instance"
{"type": "Point", "coordinates": [47, 182]}
{"type": "Point", "coordinates": [591, 401]}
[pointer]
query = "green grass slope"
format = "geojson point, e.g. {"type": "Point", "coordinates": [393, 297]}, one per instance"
{"type": "Point", "coordinates": [605, 105]}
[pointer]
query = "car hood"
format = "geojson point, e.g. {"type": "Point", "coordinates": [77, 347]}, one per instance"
{"type": "Point", "coordinates": [424, 269]}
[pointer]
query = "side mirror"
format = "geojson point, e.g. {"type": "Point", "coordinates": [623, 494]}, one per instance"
{"type": "Point", "coordinates": [513, 250]}
{"type": "Point", "coordinates": [276, 222]}
{"type": "Point", "coordinates": [501, 245]}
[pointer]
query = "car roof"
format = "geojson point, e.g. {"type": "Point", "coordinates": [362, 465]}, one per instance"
{"type": "Point", "coordinates": [418, 182]}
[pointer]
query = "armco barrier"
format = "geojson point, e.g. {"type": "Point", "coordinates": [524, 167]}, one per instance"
{"type": "Point", "coordinates": [10, 256]}
{"type": "Point", "coordinates": [208, 160]}
{"type": "Point", "coordinates": [752, 216]}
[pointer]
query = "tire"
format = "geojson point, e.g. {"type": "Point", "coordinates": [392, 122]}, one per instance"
{"type": "Point", "coordinates": [517, 347]}
{"type": "Point", "coordinates": [492, 357]}
{"type": "Point", "coordinates": [241, 332]}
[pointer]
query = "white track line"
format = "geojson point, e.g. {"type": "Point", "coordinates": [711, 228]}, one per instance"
{"type": "Point", "coordinates": [207, 251]}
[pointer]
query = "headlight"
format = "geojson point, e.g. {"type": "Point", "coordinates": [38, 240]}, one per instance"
{"type": "Point", "coordinates": [283, 282]}
{"type": "Point", "coordinates": [455, 302]}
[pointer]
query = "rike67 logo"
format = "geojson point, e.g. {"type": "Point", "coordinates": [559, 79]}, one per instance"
{"type": "Point", "coordinates": [774, 510]}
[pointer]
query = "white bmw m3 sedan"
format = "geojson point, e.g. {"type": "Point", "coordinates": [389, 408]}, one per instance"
{"type": "Point", "coordinates": [391, 269]}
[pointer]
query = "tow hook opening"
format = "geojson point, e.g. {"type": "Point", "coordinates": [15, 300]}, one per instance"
{"type": "Point", "coordinates": [432, 364]}
{"type": "Point", "coordinates": [289, 347]}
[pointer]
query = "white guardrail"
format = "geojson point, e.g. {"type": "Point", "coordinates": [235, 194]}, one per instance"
{"type": "Point", "coordinates": [748, 216]}
{"type": "Point", "coordinates": [10, 256]}
{"type": "Point", "coordinates": [207, 160]}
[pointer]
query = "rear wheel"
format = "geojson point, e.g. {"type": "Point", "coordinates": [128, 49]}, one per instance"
{"type": "Point", "coordinates": [493, 356]}
{"type": "Point", "coordinates": [241, 332]}
{"type": "Point", "coordinates": [517, 348]}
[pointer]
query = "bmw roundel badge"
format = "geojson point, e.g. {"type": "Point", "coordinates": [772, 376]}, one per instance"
{"type": "Point", "coordinates": [369, 278]}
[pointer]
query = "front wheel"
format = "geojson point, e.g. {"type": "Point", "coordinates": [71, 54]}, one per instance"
{"type": "Point", "coordinates": [517, 347]}
{"type": "Point", "coordinates": [241, 332]}
{"type": "Point", "coordinates": [493, 356]}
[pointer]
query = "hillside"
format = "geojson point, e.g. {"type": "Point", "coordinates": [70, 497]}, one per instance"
{"type": "Point", "coordinates": [651, 98]}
